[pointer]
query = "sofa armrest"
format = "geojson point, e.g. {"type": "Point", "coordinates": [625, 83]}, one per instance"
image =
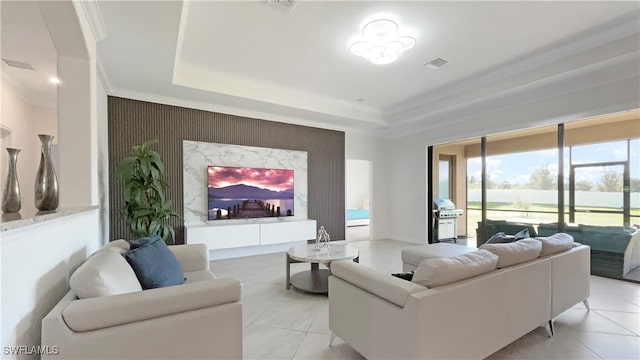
{"type": "Point", "coordinates": [102, 312]}
{"type": "Point", "coordinates": [388, 287]}
{"type": "Point", "coordinates": [192, 257]}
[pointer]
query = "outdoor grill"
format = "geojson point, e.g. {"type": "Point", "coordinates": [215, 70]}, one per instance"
{"type": "Point", "coordinates": [446, 220]}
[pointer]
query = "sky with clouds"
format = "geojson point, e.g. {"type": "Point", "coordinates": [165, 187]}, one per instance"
{"type": "Point", "coordinates": [272, 179]}
{"type": "Point", "coordinates": [517, 168]}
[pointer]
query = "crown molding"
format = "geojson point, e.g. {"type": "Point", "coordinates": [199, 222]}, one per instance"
{"type": "Point", "coordinates": [102, 75]}
{"type": "Point", "coordinates": [96, 22]}
{"type": "Point", "coordinates": [223, 109]}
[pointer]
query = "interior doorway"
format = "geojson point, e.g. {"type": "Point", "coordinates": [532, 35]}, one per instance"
{"type": "Point", "coordinates": [358, 200]}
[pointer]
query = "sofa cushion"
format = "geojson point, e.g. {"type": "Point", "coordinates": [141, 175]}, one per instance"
{"type": "Point", "coordinates": [442, 271]}
{"type": "Point", "coordinates": [154, 264]}
{"type": "Point", "coordinates": [516, 252]}
{"type": "Point", "coordinates": [555, 243]}
{"type": "Point", "coordinates": [415, 254]}
{"type": "Point", "coordinates": [105, 273]}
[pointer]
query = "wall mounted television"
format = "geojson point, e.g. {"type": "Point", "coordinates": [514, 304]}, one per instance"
{"type": "Point", "coordinates": [242, 192]}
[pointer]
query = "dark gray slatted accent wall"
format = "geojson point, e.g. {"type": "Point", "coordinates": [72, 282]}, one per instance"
{"type": "Point", "coordinates": [132, 122]}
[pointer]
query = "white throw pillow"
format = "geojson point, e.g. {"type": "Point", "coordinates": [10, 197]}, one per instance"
{"type": "Point", "coordinates": [555, 243]}
{"type": "Point", "coordinates": [121, 245]}
{"type": "Point", "coordinates": [516, 252]}
{"type": "Point", "coordinates": [442, 271]}
{"type": "Point", "coordinates": [104, 273]}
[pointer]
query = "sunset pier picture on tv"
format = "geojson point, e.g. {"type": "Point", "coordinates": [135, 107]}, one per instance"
{"type": "Point", "coordinates": [241, 193]}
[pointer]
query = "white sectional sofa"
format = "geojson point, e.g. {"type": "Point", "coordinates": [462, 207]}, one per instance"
{"type": "Point", "coordinates": [384, 317]}
{"type": "Point", "coordinates": [201, 319]}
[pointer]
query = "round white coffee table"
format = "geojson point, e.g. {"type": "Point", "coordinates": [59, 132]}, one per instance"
{"type": "Point", "coordinates": [316, 280]}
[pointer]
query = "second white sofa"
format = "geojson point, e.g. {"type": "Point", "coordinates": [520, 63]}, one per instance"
{"type": "Point", "coordinates": [386, 317]}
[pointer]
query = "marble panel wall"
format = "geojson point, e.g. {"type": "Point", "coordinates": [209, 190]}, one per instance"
{"type": "Point", "coordinates": [197, 156]}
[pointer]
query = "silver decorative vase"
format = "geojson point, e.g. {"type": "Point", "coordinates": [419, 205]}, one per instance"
{"type": "Point", "coordinates": [11, 195]}
{"type": "Point", "coordinates": [46, 186]}
{"type": "Point", "coordinates": [323, 239]}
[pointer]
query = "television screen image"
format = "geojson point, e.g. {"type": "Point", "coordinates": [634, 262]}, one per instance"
{"type": "Point", "coordinates": [241, 192]}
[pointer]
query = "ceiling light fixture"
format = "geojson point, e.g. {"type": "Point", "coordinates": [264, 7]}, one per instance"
{"type": "Point", "coordinates": [54, 80]}
{"type": "Point", "coordinates": [382, 42]}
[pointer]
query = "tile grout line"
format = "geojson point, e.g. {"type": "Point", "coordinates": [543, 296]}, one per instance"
{"type": "Point", "coordinates": [615, 322]}
{"type": "Point", "coordinates": [590, 349]}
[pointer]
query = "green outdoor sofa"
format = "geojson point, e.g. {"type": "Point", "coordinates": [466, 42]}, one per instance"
{"type": "Point", "coordinates": [614, 250]}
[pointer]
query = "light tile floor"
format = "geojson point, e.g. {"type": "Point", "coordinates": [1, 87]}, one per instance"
{"type": "Point", "coordinates": [287, 324]}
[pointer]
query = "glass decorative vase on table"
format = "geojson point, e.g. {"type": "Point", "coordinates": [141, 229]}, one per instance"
{"type": "Point", "coordinates": [322, 241]}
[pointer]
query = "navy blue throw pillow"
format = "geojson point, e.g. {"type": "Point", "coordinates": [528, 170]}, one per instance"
{"type": "Point", "coordinates": [134, 244]}
{"type": "Point", "coordinates": [500, 238]}
{"type": "Point", "coordinates": [523, 234]}
{"type": "Point", "coordinates": [154, 264]}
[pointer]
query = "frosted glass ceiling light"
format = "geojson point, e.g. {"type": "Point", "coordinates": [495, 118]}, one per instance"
{"type": "Point", "coordinates": [379, 29]}
{"type": "Point", "coordinates": [381, 42]}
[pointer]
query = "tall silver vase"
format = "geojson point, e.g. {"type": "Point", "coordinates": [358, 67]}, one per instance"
{"type": "Point", "coordinates": [46, 187]}
{"type": "Point", "coordinates": [11, 195]}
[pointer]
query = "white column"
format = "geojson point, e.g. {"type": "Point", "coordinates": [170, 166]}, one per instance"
{"type": "Point", "coordinates": [77, 131]}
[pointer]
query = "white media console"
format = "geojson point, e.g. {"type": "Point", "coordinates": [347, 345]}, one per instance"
{"type": "Point", "coordinates": [226, 236]}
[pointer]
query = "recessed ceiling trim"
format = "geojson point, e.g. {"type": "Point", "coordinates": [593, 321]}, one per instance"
{"type": "Point", "coordinates": [593, 49]}
{"type": "Point", "coordinates": [255, 89]}
{"type": "Point", "coordinates": [182, 28]}
{"type": "Point", "coordinates": [571, 74]}
{"type": "Point", "coordinates": [240, 86]}
{"type": "Point", "coordinates": [590, 99]}
{"type": "Point", "coordinates": [543, 60]}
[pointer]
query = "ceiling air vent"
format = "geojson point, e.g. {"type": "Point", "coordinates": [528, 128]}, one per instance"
{"type": "Point", "coordinates": [18, 64]}
{"type": "Point", "coordinates": [286, 5]}
{"type": "Point", "coordinates": [436, 63]}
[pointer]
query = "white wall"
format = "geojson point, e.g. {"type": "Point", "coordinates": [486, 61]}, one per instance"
{"type": "Point", "coordinates": [357, 183]}
{"type": "Point", "coordinates": [408, 189]}
{"type": "Point", "coordinates": [377, 151]}
{"type": "Point", "coordinates": [37, 261]}
{"type": "Point", "coordinates": [26, 121]}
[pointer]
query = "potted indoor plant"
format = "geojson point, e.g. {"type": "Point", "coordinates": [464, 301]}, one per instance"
{"type": "Point", "coordinates": [146, 209]}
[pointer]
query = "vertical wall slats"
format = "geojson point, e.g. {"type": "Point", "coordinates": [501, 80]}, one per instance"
{"type": "Point", "coordinates": [132, 122]}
